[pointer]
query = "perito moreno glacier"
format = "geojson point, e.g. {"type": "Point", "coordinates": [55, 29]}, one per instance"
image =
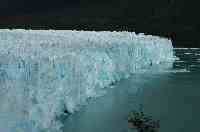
{"type": "Point", "coordinates": [44, 73]}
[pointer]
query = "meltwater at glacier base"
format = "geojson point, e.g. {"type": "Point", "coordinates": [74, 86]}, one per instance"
{"type": "Point", "coordinates": [45, 72]}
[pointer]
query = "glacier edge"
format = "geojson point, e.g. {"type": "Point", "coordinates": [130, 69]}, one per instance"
{"type": "Point", "coordinates": [42, 73]}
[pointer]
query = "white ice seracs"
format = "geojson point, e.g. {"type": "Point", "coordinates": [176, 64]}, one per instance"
{"type": "Point", "coordinates": [42, 73]}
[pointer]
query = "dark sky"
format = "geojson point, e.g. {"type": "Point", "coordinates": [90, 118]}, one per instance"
{"type": "Point", "coordinates": [10, 7]}
{"type": "Point", "coordinates": [29, 6]}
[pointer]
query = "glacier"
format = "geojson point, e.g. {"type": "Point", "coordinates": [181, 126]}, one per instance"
{"type": "Point", "coordinates": [44, 72]}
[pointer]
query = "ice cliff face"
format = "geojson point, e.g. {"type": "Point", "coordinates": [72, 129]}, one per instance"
{"type": "Point", "coordinates": [43, 73]}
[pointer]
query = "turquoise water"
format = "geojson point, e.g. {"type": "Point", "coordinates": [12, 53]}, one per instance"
{"type": "Point", "coordinates": [171, 97]}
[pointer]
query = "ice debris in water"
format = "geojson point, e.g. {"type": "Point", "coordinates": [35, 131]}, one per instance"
{"type": "Point", "coordinates": [44, 73]}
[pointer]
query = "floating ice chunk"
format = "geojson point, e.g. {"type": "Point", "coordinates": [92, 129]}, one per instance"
{"type": "Point", "coordinates": [43, 73]}
{"type": "Point", "coordinates": [186, 48]}
{"type": "Point", "coordinates": [187, 53]}
{"type": "Point", "coordinates": [197, 54]}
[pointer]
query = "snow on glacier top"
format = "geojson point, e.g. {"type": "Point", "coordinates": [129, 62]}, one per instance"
{"type": "Point", "coordinates": [52, 43]}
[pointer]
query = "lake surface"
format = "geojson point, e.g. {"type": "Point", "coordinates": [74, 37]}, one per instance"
{"type": "Point", "coordinates": [171, 96]}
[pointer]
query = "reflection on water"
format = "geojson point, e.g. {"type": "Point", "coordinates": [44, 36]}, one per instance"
{"type": "Point", "coordinates": [171, 97]}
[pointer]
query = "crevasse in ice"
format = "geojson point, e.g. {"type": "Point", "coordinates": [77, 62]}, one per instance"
{"type": "Point", "coordinates": [42, 73]}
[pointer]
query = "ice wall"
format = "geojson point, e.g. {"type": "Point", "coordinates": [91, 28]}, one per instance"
{"type": "Point", "coordinates": [42, 73]}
